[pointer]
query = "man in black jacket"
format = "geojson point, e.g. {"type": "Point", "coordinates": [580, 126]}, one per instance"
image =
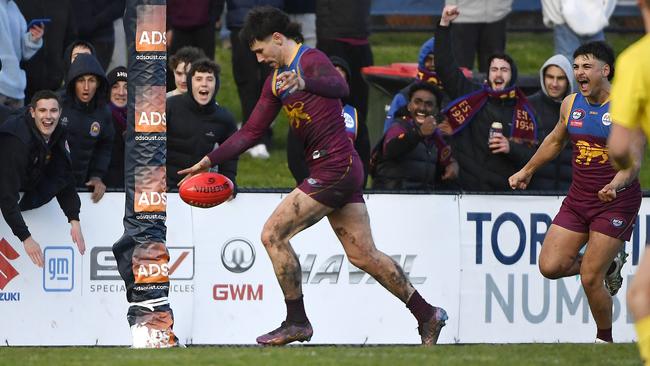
{"type": "Point", "coordinates": [95, 24]}
{"type": "Point", "coordinates": [557, 81]}
{"type": "Point", "coordinates": [36, 160]}
{"type": "Point", "coordinates": [88, 122]}
{"type": "Point", "coordinates": [196, 124]}
{"type": "Point", "coordinates": [45, 69]}
{"type": "Point", "coordinates": [486, 160]}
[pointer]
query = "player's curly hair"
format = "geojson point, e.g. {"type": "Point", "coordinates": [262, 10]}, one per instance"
{"type": "Point", "coordinates": [263, 21]}
{"type": "Point", "coordinates": [600, 50]}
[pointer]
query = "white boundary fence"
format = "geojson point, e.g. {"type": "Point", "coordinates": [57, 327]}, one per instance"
{"type": "Point", "coordinates": [474, 255]}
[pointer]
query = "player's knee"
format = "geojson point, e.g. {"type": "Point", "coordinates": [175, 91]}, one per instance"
{"type": "Point", "coordinates": [359, 261]}
{"type": "Point", "coordinates": [550, 270]}
{"type": "Point", "coordinates": [268, 237]}
{"type": "Point", "coordinates": [591, 280]}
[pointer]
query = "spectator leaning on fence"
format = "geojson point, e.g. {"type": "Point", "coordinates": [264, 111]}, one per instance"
{"type": "Point", "coordinates": [557, 81]}
{"type": "Point", "coordinates": [36, 160]}
{"type": "Point", "coordinates": [88, 121]}
{"type": "Point", "coordinates": [486, 159]}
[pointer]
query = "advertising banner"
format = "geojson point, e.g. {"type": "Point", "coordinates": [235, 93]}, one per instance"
{"type": "Point", "coordinates": [476, 256]}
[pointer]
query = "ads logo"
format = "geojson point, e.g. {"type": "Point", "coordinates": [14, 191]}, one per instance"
{"type": "Point", "coordinates": [103, 266]}
{"type": "Point", "coordinates": [150, 108]}
{"type": "Point", "coordinates": [150, 189]}
{"type": "Point", "coordinates": [238, 255]}
{"type": "Point", "coordinates": [58, 272]}
{"type": "Point", "coordinates": [7, 271]}
{"type": "Point", "coordinates": [150, 28]}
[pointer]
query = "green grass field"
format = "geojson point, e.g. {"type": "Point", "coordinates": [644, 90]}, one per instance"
{"type": "Point", "coordinates": [529, 50]}
{"type": "Point", "coordinates": [520, 354]}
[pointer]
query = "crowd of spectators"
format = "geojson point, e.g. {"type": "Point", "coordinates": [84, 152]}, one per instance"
{"type": "Point", "coordinates": [437, 133]}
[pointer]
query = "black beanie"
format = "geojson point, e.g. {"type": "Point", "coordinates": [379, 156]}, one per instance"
{"type": "Point", "coordinates": [115, 75]}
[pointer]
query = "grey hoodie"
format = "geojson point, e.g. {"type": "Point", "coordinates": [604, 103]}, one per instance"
{"type": "Point", "coordinates": [563, 63]}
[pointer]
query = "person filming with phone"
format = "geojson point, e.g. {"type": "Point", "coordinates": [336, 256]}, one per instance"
{"type": "Point", "coordinates": [17, 43]}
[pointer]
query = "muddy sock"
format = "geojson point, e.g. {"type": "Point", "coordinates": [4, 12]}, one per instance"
{"type": "Point", "coordinates": [421, 310]}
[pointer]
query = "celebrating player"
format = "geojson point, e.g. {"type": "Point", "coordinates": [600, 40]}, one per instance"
{"type": "Point", "coordinates": [602, 204]}
{"type": "Point", "coordinates": [308, 87]}
{"type": "Point", "coordinates": [630, 115]}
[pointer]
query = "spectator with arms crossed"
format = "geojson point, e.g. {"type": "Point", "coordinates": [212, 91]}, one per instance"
{"type": "Point", "coordinates": [306, 85]}
{"type": "Point", "coordinates": [602, 204]}
{"type": "Point", "coordinates": [36, 160]}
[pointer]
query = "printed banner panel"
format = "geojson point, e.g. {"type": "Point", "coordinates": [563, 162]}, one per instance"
{"type": "Point", "coordinates": [504, 298]}
{"type": "Point", "coordinates": [476, 256]}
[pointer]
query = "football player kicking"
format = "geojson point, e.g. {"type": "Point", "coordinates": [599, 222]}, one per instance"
{"type": "Point", "coordinates": [308, 87]}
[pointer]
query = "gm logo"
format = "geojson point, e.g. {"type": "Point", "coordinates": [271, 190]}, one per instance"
{"type": "Point", "coordinates": [58, 272]}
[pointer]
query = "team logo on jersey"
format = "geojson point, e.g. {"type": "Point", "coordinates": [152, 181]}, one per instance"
{"type": "Point", "coordinates": [349, 121]}
{"type": "Point", "coordinates": [95, 128]}
{"type": "Point", "coordinates": [607, 119]}
{"type": "Point", "coordinates": [578, 114]}
{"type": "Point", "coordinates": [296, 114]}
{"type": "Point", "coordinates": [618, 223]}
{"type": "Point", "coordinates": [587, 152]}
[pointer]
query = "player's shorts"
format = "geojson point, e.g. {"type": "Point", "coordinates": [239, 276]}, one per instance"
{"type": "Point", "coordinates": [336, 182]}
{"type": "Point", "coordinates": [614, 219]}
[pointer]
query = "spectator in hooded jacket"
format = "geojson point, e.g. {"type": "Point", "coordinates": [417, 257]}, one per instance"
{"type": "Point", "coordinates": [45, 69]}
{"type": "Point", "coordinates": [71, 52]}
{"type": "Point", "coordinates": [88, 121]}
{"type": "Point", "coordinates": [486, 159]}
{"type": "Point", "coordinates": [557, 81]}
{"type": "Point", "coordinates": [413, 151]}
{"type": "Point", "coordinates": [17, 44]}
{"type": "Point", "coordinates": [36, 160]}
{"type": "Point", "coordinates": [196, 124]}
{"type": "Point", "coordinates": [426, 73]}
{"type": "Point", "coordinates": [117, 86]}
